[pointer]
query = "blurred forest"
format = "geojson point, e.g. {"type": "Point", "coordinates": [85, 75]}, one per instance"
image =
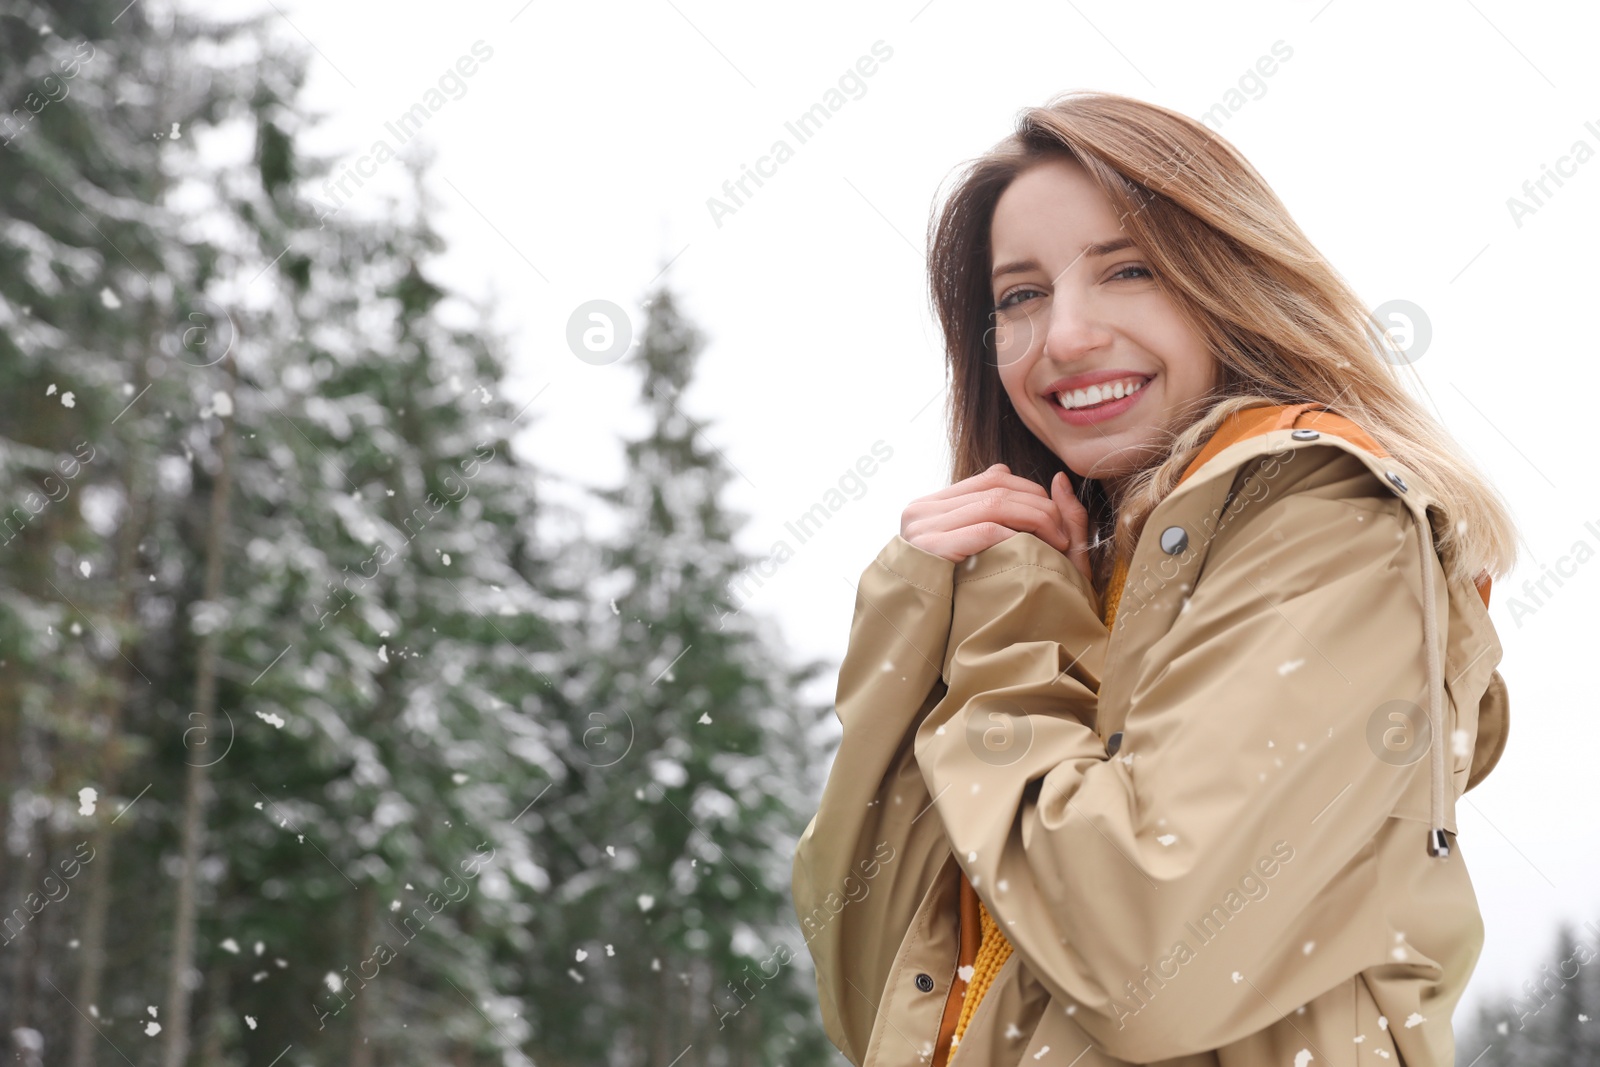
{"type": "Point", "coordinates": [323, 739]}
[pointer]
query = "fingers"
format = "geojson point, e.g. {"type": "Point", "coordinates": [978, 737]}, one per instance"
{"type": "Point", "coordinates": [1042, 518]}
{"type": "Point", "coordinates": [1075, 518]}
{"type": "Point", "coordinates": [997, 475]}
{"type": "Point", "coordinates": [966, 541]}
{"type": "Point", "coordinates": [981, 511]}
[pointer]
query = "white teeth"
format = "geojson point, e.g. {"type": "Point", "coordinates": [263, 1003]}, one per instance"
{"type": "Point", "coordinates": [1095, 394]}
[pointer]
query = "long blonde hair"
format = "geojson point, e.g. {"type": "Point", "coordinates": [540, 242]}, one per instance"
{"type": "Point", "coordinates": [1284, 327]}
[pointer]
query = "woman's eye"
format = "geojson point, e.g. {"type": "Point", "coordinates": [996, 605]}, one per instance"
{"type": "Point", "coordinates": [1124, 270]}
{"type": "Point", "coordinates": [1011, 298]}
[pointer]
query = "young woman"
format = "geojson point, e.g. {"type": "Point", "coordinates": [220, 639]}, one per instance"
{"type": "Point", "coordinates": [1155, 719]}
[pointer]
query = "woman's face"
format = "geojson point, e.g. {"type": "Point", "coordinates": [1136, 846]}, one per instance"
{"type": "Point", "coordinates": [1074, 311]}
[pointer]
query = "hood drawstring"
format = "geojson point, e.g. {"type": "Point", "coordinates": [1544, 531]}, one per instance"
{"type": "Point", "coordinates": [1438, 846]}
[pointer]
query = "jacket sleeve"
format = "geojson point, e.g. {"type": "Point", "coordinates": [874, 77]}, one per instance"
{"type": "Point", "coordinates": [863, 864]}
{"type": "Point", "coordinates": [1167, 891]}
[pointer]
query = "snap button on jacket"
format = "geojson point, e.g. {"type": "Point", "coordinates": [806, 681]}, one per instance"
{"type": "Point", "coordinates": [1262, 869]}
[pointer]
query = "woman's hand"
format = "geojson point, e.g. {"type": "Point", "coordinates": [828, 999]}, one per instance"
{"type": "Point", "coordinates": [980, 512]}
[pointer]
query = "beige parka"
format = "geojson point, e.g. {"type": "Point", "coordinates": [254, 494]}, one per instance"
{"type": "Point", "coordinates": [1210, 833]}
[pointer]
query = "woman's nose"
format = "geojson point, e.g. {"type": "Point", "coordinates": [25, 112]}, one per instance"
{"type": "Point", "coordinates": [1075, 329]}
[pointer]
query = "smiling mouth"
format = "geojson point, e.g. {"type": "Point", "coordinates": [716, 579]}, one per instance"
{"type": "Point", "coordinates": [1104, 393]}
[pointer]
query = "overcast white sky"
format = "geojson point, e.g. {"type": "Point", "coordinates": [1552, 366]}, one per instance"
{"type": "Point", "coordinates": [581, 154]}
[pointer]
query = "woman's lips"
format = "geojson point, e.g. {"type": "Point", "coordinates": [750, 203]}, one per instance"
{"type": "Point", "coordinates": [1106, 409]}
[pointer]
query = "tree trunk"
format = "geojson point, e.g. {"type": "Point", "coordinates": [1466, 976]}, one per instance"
{"type": "Point", "coordinates": [108, 762]}
{"type": "Point", "coordinates": [211, 1053]}
{"type": "Point", "coordinates": [197, 781]}
{"type": "Point", "coordinates": [361, 1025]}
{"type": "Point", "coordinates": [25, 946]}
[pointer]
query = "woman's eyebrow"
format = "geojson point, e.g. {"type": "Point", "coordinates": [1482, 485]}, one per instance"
{"type": "Point", "coordinates": [1098, 248]}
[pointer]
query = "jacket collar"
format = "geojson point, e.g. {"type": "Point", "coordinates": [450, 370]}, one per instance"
{"type": "Point", "coordinates": [1257, 421]}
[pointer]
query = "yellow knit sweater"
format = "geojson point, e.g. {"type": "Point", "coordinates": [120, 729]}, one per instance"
{"type": "Point", "coordinates": [993, 948]}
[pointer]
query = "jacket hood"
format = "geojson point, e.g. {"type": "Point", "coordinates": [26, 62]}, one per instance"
{"type": "Point", "coordinates": [1310, 421]}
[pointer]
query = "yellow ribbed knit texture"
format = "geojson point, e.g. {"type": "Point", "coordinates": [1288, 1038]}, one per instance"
{"type": "Point", "coordinates": [993, 948]}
